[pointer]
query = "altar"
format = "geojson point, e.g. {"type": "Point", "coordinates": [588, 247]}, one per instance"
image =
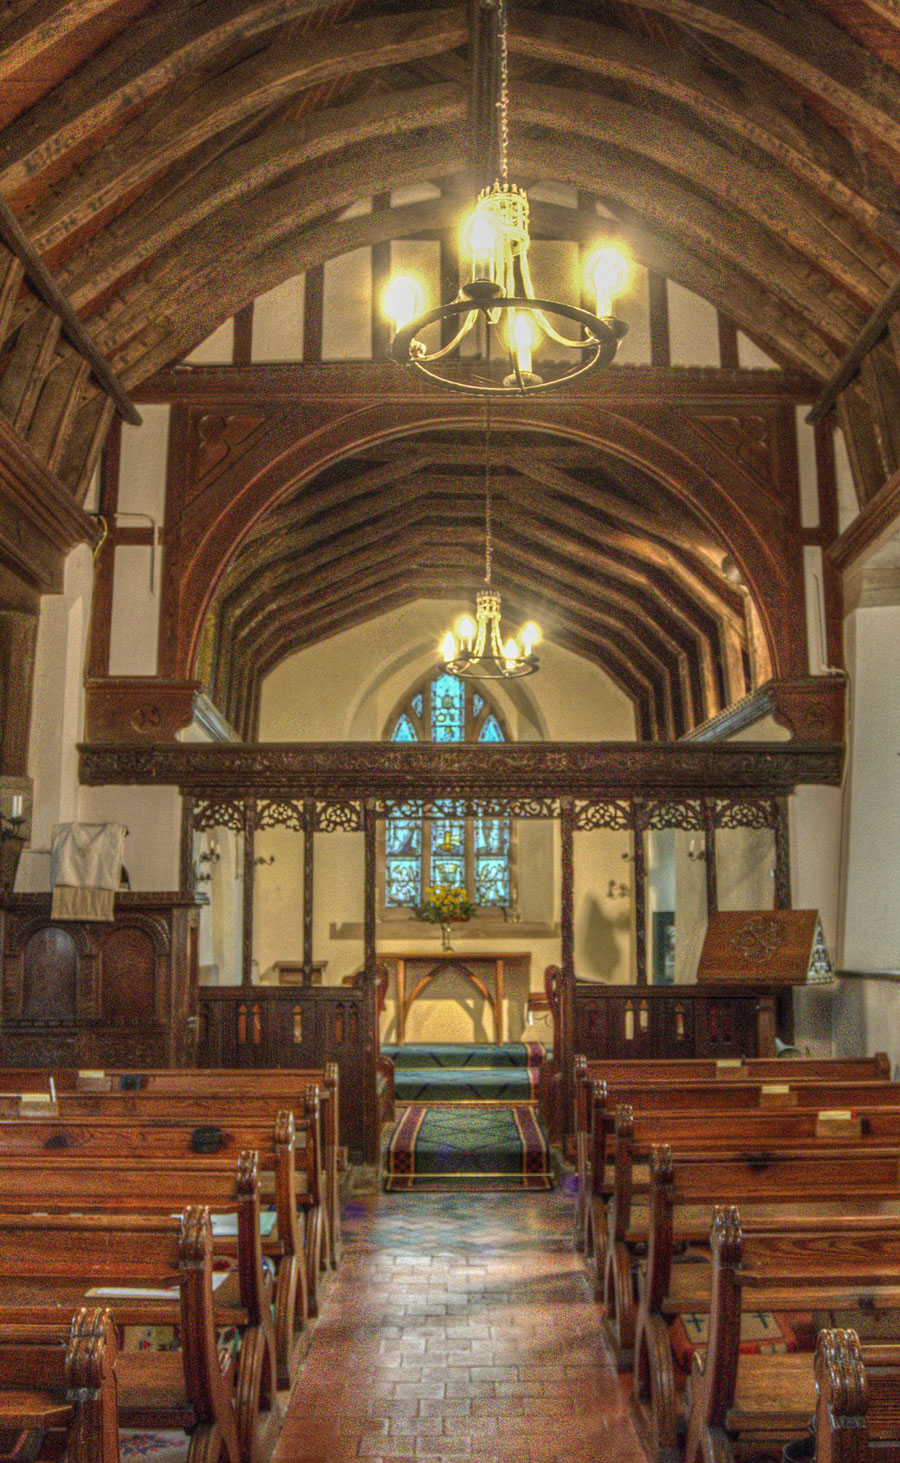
{"type": "Point", "coordinates": [414, 973]}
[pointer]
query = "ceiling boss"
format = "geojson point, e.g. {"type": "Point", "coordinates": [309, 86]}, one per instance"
{"type": "Point", "coordinates": [499, 290]}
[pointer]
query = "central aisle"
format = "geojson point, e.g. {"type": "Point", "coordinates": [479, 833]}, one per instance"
{"type": "Point", "coordinates": [459, 1326]}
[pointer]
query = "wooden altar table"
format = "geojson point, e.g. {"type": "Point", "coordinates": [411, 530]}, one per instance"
{"type": "Point", "coordinates": [483, 969]}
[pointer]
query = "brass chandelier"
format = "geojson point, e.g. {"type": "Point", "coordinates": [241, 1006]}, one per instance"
{"type": "Point", "coordinates": [500, 290]}
{"type": "Point", "coordinates": [476, 649]}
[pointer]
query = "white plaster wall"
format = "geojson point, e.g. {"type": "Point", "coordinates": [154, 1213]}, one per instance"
{"type": "Point", "coordinates": [134, 629]}
{"type": "Point", "coordinates": [152, 815]}
{"type": "Point", "coordinates": [751, 357]}
{"type": "Point", "coordinates": [57, 715]}
{"type": "Point", "coordinates": [848, 502]}
{"type": "Point", "coordinates": [634, 308]}
{"type": "Point", "coordinates": [807, 469]}
{"type": "Point", "coordinates": [278, 322]}
{"type": "Point", "coordinates": [134, 626]}
{"type": "Point", "coordinates": [693, 328]}
{"type": "Point", "coordinates": [347, 307]}
{"type": "Point", "coordinates": [217, 349]}
{"type": "Point", "coordinates": [690, 905]}
{"type": "Point", "coordinates": [871, 895]}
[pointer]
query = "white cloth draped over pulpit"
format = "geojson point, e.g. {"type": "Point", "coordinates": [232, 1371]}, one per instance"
{"type": "Point", "coordinates": [85, 869]}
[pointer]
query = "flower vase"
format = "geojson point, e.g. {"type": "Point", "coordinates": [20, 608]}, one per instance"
{"type": "Point", "coordinates": [445, 935]}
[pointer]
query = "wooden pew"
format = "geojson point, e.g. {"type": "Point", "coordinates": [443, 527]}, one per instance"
{"type": "Point", "coordinates": [286, 1088]}
{"type": "Point", "coordinates": [195, 1158]}
{"type": "Point", "coordinates": [774, 1138]}
{"type": "Point", "coordinates": [51, 1264]}
{"type": "Point", "coordinates": [738, 1401]}
{"type": "Point", "coordinates": [231, 1125]}
{"type": "Point", "coordinates": [54, 1181]}
{"type": "Point", "coordinates": [597, 1103]}
{"type": "Point", "coordinates": [857, 1400]}
{"type": "Point", "coordinates": [681, 1206]}
{"type": "Point", "coordinates": [58, 1386]}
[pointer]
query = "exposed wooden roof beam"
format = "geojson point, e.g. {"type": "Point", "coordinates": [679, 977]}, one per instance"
{"type": "Point", "coordinates": [43, 283]}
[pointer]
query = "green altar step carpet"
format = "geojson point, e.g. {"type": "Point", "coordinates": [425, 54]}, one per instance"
{"type": "Point", "coordinates": [468, 1147]}
{"type": "Point", "coordinates": [460, 1072]}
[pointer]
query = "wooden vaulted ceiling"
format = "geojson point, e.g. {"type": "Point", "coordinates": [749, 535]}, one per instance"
{"type": "Point", "coordinates": [608, 565]}
{"type": "Point", "coordinates": [171, 161]}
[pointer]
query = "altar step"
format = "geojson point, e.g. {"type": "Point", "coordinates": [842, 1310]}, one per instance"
{"type": "Point", "coordinates": [466, 1072]}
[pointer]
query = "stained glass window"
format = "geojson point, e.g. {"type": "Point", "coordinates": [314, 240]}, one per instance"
{"type": "Point", "coordinates": [403, 842]}
{"type": "Point", "coordinates": [447, 709]}
{"type": "Point", "coordinates": [448, 848]}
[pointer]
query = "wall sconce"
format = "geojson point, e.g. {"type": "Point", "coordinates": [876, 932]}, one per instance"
{"type": "Point", "coordinates": [628, 857]}
{"type": "Point", "coordinates": [695, 853]}
{"type": "Point", "coordinates": [260, 860]}
{"type": "Point", "coordinates": [11, 831]}
{"type": "Point", "coordinates": [617, 891]}
{"type": "Point", "coordinates": [211, 856]}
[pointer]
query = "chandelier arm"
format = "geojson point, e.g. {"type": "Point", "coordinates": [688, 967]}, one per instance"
{"type": "Point", "coordinates": [540, 317]}
{"type": "Point", "coordinates": [460, 335]}
{"type": "Point", "coordinates": [553, 334]}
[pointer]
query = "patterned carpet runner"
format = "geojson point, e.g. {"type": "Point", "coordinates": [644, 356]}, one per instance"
{"type": "Point", "coordinates": [471, 1121]}
{"type": "Point", "coordinates": [468, 1147]}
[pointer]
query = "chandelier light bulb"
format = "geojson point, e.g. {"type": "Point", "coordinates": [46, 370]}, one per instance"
{"type": "Point", "coordinates": [482, 242]}
{"type": "Point", "coordinates": [402, 300]}
{"type": "Point", "coordinates": [466, 630]}
{"type": "Point", "coordinates": [608, 270]}
{"type": "Point", "coordinates": [448, 646]}
{"type": "Point", "coordinates": [529, 636]}
{"type": "Point", "coordinates": [523, 336]}
{"type": "Point", "coordinates": [511, 650]}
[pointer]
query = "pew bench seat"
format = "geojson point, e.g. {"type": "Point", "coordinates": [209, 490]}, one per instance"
{"type": "Point", "coordinates": [58, 1389]}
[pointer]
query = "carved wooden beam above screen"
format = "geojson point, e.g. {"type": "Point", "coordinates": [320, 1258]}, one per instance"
{"type": "Point", "coordinates": [526, 769]}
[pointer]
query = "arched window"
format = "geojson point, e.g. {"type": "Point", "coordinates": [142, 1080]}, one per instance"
{"type": "Point", "coordinates": [470, 852]}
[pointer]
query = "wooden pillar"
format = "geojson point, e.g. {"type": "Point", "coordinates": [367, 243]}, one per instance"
{"type": "Point", "coordinates": [660, 351]}
{"type": "Point", "coordinates": [313, 309]}
{"type": "Point", "coordinates": [369, 828]}
{"type": "Point", "coordinates": [249, 882]}
{"type": "Point", "coordinates": [186, 852]}
{"type": "Point", "coordinates": [783, 895]}
{"type": "Point", "coordinates": [565, 1057]}
{"type": "Point", "coordinates": [382, 329]}
{"type": "Point", "coordinates": [640, 898]}
{"type": "Point", "coordinates": [18, 645]}
{"type": "Point", "coordinates": [567, 891]}
{"type": "Point", "coordinates": [709, 843]}
{"type": "Point", "coordinates": [309, 829]}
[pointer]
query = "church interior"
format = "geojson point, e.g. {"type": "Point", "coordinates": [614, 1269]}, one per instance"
{"type": "Point", "coordinates": [449, 649]}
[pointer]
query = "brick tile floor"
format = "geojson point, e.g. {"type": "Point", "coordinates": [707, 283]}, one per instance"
{"type": "Point", "coordinates": [459, 1327]}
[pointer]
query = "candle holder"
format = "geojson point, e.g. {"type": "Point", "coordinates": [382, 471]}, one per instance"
{"type": "Point", "coordinates": [12, 841]}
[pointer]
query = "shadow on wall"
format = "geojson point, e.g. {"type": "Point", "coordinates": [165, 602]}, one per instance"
{"type": "Point", "coordinates": [603, 942]}
{"type": "Point", "coordinates": [865, 1019]}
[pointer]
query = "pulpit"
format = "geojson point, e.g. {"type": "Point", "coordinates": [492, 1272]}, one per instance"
{"type": "Point", "coordinates": [80, 993]}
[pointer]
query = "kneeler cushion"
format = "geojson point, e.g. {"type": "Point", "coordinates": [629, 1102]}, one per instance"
{"type": "Point", "coordinates": [761, 1332]}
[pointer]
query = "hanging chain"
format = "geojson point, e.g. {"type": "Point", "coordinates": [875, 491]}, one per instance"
{"type": "Point", "coordinates": [503, 100]}
{"type": "Point", "coordinates": [488, 545]}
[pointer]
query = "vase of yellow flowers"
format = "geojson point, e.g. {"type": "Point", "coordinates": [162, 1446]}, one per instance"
{"type": "Point", "coordinates": [445, 905]}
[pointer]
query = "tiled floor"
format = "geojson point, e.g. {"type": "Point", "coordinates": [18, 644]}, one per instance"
{"type": "Point", "coordinates": [459, 1327]}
